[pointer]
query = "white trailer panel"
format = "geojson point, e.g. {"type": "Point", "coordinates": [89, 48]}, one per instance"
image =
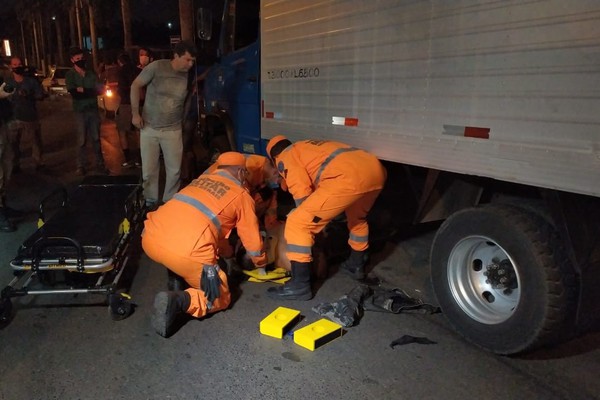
{"type": "Point", "coordinates": [503, 89]}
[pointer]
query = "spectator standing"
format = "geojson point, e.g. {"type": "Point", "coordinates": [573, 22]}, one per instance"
{"type": "Point", "coordinates": [25, 120]}
{"type": "Point", "coordinates": [5, 159]}
{"type": "Point", "coordinates": [84, 87]}
{"type": "Point", "coordinates": [145, 57]}
{"type": "Point", "coordinates": [128, 135]}
{"type": "Point", "coordinates": [166, 83]}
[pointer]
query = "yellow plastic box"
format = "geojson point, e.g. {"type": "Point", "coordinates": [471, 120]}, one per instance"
{"type": "Point", "coordinates": [317, 334]}
{"type": "Point", "coordinates": [279, 321]}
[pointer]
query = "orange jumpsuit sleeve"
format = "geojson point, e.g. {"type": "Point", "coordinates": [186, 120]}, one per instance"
{"type": "Point", "coordinates": [296, 177]}
{"type": "Point", "coordinates": [248, 230]}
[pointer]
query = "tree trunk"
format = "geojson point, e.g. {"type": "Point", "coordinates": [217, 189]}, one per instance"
{"type": "Point", "coordinates": [36, 49]}
{"type": "Point", "coordinates": [73, 26]}
{"type": "Point", "coordinates": [93, 36]}
{"type": "Point", "coordinates": [186, 19]}
{"type": "Point", "coordinates": [59, 39]}
{"type": "Point", "coordinates": [126, 15]}
{"type": "Point", "coordinates": [78, 19]}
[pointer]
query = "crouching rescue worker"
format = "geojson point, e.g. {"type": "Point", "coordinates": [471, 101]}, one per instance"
{"type": "Point", "coordinates": [262, 180]}
{"type": "Point", "coordinates": [184, 233]}
{"type": "Point", "coordinates": [325, 178]}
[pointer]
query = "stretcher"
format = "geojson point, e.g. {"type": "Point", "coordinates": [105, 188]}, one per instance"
{"type": "Point", "coordinates": [83, 247]}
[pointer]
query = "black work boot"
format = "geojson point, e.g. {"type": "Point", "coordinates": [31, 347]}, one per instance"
{"type": "Point", "coordinates": [5, 224]}
{"type": "Point", "coordinates": [166, 307]}
{"type": "Point", "coordinates": [297, 288]}
{"type": "Point", "coordinates": [355, 264]}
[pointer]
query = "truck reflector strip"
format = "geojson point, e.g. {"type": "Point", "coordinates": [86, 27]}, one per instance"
{"type": "Point", "coordinates": [467, 131]}
{"type": "Point", "coordinates": [344, 121]}
{"type": "Point", "coordinates": [272, 115]}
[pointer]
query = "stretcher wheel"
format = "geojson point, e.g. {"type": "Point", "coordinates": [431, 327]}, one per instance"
{"type": "Point", "coordinates": [119, 306]}
{"type": "Point", "coordinates": [5, 312]}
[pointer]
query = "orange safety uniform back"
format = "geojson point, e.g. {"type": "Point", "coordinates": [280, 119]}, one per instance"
{"type": "Point", "coordinates": [311, 164]}
{"type": "Point", "coordinates": [207, 209]}
{"type": "Point", "coordinates": [255, 164]}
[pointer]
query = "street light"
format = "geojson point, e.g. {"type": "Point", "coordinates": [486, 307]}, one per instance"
{"type": "Point", "coordinates": [169, 25]}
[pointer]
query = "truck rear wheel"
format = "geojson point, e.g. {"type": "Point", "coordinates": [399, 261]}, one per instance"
{"type": "Point", "coordinates": [502, 279]}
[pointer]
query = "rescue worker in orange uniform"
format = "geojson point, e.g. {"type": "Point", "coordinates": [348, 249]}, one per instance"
{"type": "Point", "coordinates": [184, 233]}
{"type": "Point", "coordinates": [325, 178]}
{"type": "Point", "coordinates": [262, 180]}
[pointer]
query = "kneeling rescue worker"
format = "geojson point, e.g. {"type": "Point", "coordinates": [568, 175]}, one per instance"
{"type": "Point", "coordinates": [325, 178]}
{"type": "Point", "coordinates": [184, 233]}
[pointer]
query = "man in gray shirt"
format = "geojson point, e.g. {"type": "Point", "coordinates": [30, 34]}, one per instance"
{"type": "Point", "coordinates": [166, 83]}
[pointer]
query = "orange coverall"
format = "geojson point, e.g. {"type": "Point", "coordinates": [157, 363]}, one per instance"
{"type": "Point", "coordinates": [183, 234]}
{"type": "Point", "coordinates": [257, 167]}
{"type": "Point", "coordinates": [258, 171]}
{"type": "Point", "coordinates": [327, 178]}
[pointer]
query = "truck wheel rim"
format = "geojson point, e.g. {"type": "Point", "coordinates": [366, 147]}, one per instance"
{"type": "Point", "coordinates": [484, 280]}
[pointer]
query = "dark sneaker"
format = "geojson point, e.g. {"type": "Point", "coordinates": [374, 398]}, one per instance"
{"type": "Point", "coordinates": [5, 224]}
{"type": "Point", "coordinates": [167, 305]}
{"type": "Point", "coordinates": [127, 164]}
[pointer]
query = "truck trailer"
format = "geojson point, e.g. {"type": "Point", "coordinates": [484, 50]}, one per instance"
{"type": "Point", "coordinates": [491, 111]}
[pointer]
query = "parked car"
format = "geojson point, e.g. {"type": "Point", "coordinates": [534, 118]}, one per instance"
{"type": "Point", "coordinates": [55, 84]}
{"type": "Point", "coordinates": [109, 101]}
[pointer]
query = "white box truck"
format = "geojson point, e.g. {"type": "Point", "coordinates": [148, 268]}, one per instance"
{"type": "Point", "coordinates": [492, 111]}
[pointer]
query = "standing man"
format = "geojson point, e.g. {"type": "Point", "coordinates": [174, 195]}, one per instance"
{"type": "Point", "coordinates": [146, 57]}
{"type": "Point", "coordinates": [84, 86]}
{"type": "Point", "coordinates": [325, 178]}
{"type": "Point", "coordinates": [166, 83]}
{"type": "Point", "coordinates": [183, 235]}
{"type": "Point", "coordinates": [25, 120]}
{"type": "Point", "coordinates": [6, 225]}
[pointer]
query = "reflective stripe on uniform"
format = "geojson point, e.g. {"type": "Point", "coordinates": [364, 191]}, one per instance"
{"type": "Point", "coordinates": [294, 248]}
{"type": "Point", "coordinates": [329, 159]}
{"type": "Point", "coordinates": [356, 238]}
{"type": "Point", "coordinates": [299, 201]}
{"type": "Point", "coordinates": [228, 176]}
{"type": "Point", "coordinates": [200, 207]}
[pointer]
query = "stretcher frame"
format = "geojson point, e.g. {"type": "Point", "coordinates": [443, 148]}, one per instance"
{"type": "Point", "coordinates": [104, 208]}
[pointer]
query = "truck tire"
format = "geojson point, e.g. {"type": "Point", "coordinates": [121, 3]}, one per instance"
{"type": "Point", "coordinates": [503, 280]}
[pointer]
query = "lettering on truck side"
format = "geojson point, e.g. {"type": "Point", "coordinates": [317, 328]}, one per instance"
{"type": "Point", "coordinates": [310, 72]}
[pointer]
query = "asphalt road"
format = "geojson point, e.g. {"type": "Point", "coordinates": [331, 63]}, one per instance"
{"type": "Point", "coordinates": [67, 347]}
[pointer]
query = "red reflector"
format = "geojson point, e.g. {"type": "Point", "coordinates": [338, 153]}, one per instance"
{"type": "Point", "coordinates": [351, 122]}
{"type": "Point", "coordinates": [474, 132]}
{"type": "Point", "coordinates": [269, 114]}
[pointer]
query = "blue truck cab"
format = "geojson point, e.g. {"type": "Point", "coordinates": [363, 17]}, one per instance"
{"type": "Point", "coordinates": [229, 29]}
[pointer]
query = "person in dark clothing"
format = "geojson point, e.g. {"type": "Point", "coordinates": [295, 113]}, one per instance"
{"type": "Point", "coordinates": [6, 225]}
{"type": "Point", "coordinates": [128, 135]}
{"type": "Point", "coordinates": [84, 86]}
{"type": "Point", "coordinates": [25, 121]}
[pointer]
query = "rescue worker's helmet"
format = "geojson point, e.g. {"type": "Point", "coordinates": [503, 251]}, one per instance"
{"type": "Point", "coordinates": [231, 159]}
{"type": "Point", "coordinates": [276, 145]}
